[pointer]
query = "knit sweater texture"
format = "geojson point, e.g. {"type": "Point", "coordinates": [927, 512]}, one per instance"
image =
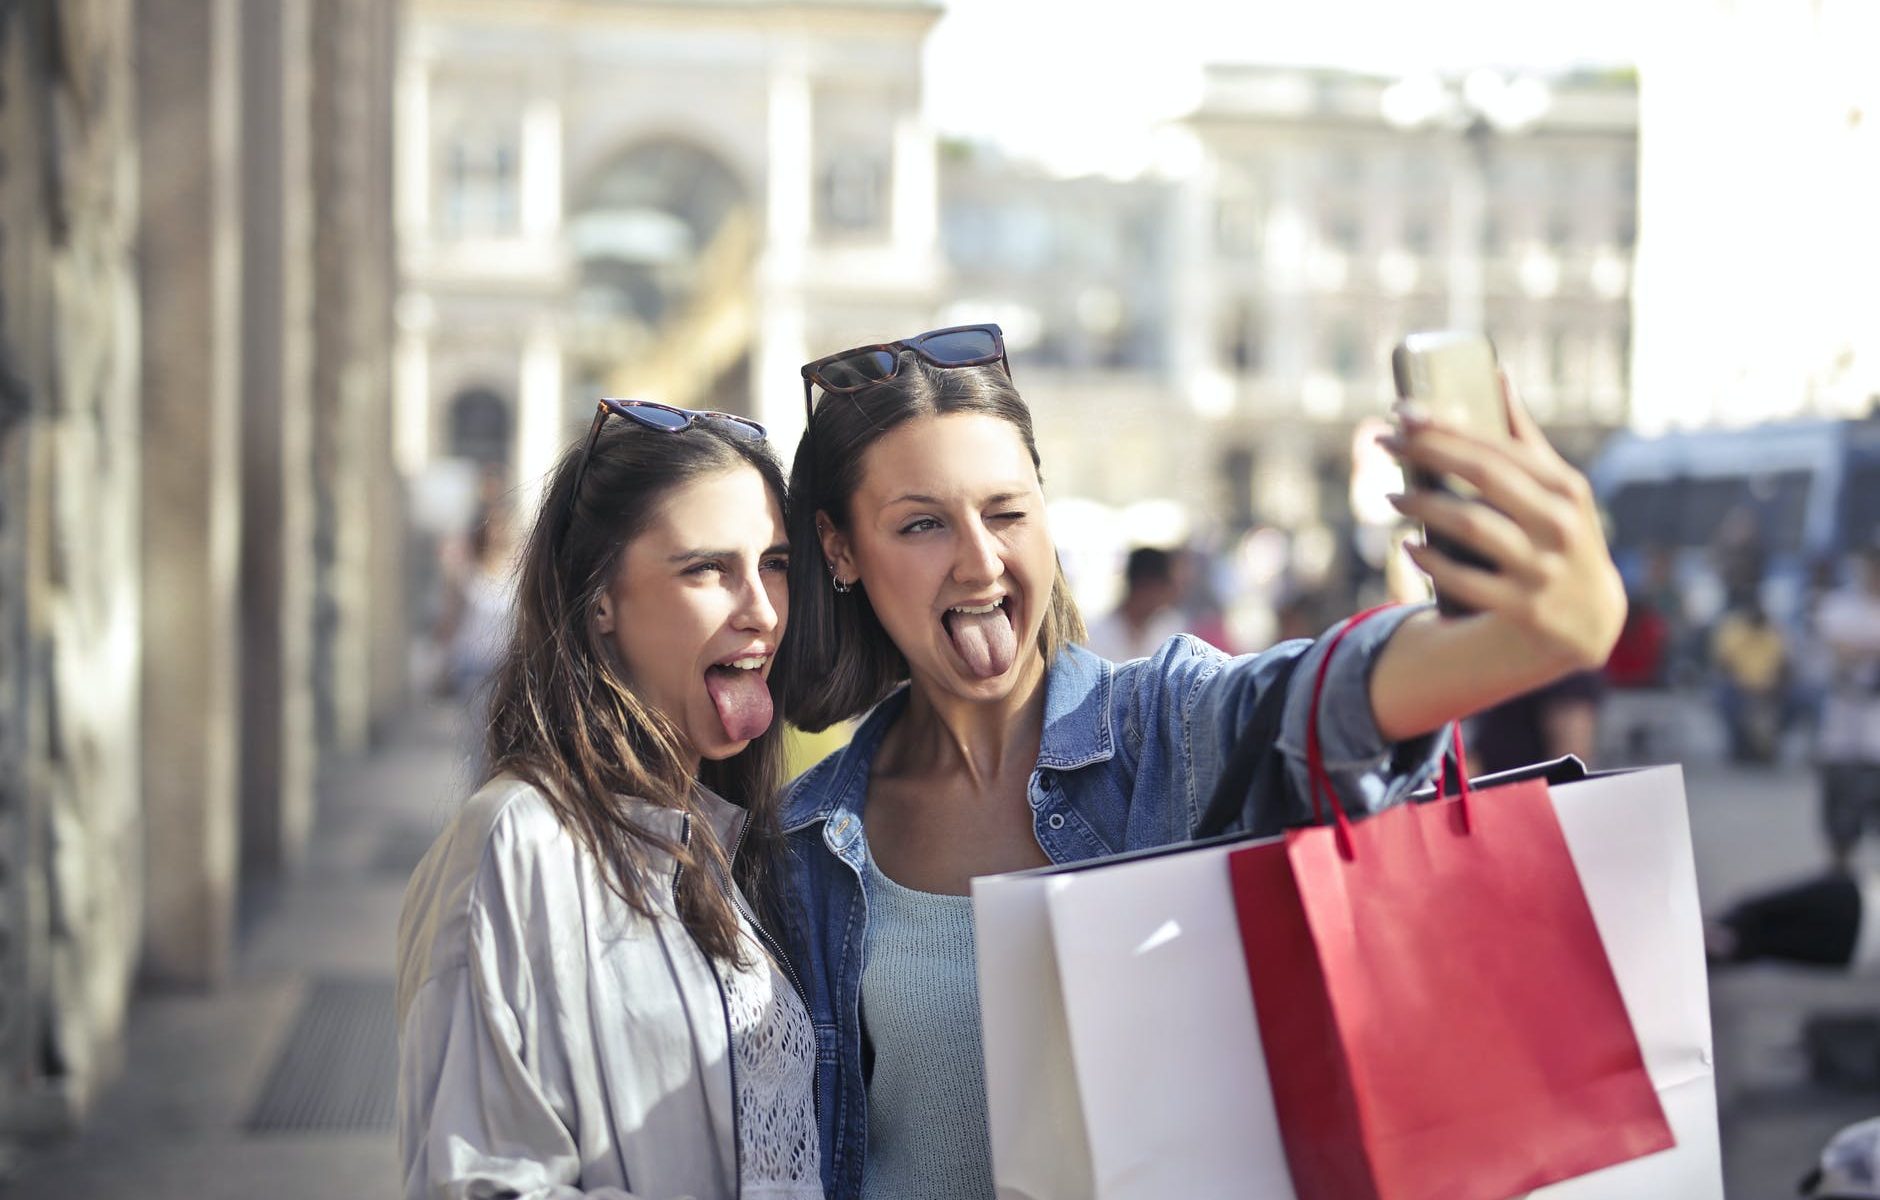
{"type": "Point", "coordinates": [927, 1133]}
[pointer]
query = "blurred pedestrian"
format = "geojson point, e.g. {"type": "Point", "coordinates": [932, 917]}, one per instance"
{"type": "Point", "coordinates": [1750, 657]}
{"type": "Point", "coordinates": [1847, 624]}
{"type": "Point", "coordinates": [1147, 616]}
{"type": "Point", "coordinates": [587, 997]}
{"type": "Point", "coordinates": [1649, 645]}
{"type": "Point", "coordinates": [1739, 553]}
{"type": "Point", "coordinates": [1550, 722]}
{"type": "Point", "coordinates": [474, 622]}
{"type": "Point", "coordinates": [478, 603]}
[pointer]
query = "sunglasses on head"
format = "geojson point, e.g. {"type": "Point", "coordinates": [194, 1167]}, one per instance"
{"type": "Point", "coordinates": [661, 417]}
{"type": "Point", "coordinates": [955, 346]}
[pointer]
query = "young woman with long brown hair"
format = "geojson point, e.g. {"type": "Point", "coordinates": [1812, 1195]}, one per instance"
{"type": "Point", "coordinates": [589, 1003]}
{"type": "Point", "coordinates": [994, 742]}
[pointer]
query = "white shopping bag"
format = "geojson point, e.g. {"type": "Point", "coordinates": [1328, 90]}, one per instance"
{"type": "Point", "coordinates": [1630, 836]}
{"type": "Point", "coordinates": [1183, 1108]}
{"type": "Point", "coordinates": [1123, 1059]}
{"type": "Point", "coordinates": [1031, 1082]}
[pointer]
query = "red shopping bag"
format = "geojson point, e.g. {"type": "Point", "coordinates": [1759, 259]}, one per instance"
{"type": "Point", "coordinates": [1439, 1017]}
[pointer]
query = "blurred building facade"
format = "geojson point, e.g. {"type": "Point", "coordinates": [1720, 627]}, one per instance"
{"type": "Point", "coordinates": [200, 537]}
{"type": "Point", "coordinates": [671, 201]}
{"type": "Point", "coordinates": [1083, 275]}
{"type": "Point", "coordinates": [1758, 247]}
{"type": "Point", "coordinates": [686, 202]}
{"type": "Point", "coordinates": [1230, 323]}
{"type": "Point", "coordinates": [1328, 222]}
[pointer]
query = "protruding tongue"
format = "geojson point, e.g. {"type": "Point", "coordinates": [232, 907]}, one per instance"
{"type": "Point", "coordinates": [984, 640]}
{"type": "Point", "coordinates": [743, 700]}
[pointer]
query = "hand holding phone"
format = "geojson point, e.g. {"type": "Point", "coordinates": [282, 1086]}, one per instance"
{"type": "Point", "coordinates": [1454, 379]}
{"type": "Point", "coordinates": [1513, 531]}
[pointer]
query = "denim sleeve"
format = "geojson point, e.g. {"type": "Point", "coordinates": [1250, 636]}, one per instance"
{"type": "Point", "coordinates": [1368, 773]}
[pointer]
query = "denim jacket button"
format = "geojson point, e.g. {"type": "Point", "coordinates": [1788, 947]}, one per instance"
{"type": "Point", "coordinates": [1056, 821]}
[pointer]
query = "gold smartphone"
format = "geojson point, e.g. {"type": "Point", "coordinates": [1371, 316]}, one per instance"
{"type": "Point", "coordinates": [1455, 379]}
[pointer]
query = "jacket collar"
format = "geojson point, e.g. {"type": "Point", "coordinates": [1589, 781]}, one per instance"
{"type": "Point", "coordinates": [1077, 710]}
{"type": "Point", "coordinates": [1077, 733]}
{"type": "Point", "coordinates": [725, 818]}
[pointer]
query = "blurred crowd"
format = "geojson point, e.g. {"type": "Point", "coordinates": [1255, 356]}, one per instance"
{"type": "Point", "coordinates": [1801, 690]}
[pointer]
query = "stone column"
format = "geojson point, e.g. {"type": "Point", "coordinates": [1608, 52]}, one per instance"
{"type": "Point", "coordinates": [916, 190]}
{"type": "Point", "coordinates": [541, 413]}
{"type": "Point", "coordinates": [776, 388]}
{"type": "Point", "coordinates": [277, 752]}
{"type": "Point", "coordinates": [188, 90]}
{"type": "Point", "coordinates": [71, 842]}
{"type": "Point", "coordinates": [541, 167]}
{"type": "Point", "coordinates": [388, 615]}
{"type": "Point", "coordinates": [357, 520]}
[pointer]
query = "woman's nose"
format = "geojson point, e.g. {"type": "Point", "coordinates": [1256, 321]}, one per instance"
{"type": "Point", "coordinates": [979, 560]}
{"type": "Point", "coordinates": [756, 612]}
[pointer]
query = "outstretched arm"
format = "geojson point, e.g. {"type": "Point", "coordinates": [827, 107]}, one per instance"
{"type": "Point", "coordinates": [1554, 605]}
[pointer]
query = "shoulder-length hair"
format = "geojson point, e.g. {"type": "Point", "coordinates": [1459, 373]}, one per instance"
{"type": "Point", "coordinates": [565, 717]}
{"type": "Point", "coordinates": [836, 660]}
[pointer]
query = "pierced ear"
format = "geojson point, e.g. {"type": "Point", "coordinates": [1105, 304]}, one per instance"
{"type": "Point", "coordinates": [604, 615]}
{"type": "Point", "coordinates": [835, 548]}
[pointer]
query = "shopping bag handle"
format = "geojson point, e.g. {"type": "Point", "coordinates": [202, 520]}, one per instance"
{"type": "Point", "coordinates": [1315, 755]}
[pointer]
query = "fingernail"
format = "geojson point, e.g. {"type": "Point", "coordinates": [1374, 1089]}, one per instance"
{"type": "Point", "coordinates": [1396, 499]}
{"type": "Point", "coordinates": [1391, 442]}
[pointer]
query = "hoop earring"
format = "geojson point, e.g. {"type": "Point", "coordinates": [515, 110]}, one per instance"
{"type": "Point", "coordinates": [841, 587]}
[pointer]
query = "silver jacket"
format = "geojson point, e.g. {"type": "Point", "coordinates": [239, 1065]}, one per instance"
{"type": "Point", "coordinates": [553, 1043]}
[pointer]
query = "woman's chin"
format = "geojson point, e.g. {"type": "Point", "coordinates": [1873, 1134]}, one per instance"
{"type": "Point", "coordinates": [721, 750]}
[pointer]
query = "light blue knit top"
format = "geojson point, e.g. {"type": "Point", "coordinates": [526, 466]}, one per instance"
{"type": "Point", "coordinates": [927, 1132]}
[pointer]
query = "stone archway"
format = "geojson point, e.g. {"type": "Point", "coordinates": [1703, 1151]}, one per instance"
{"type": "Point", "coordinates": [642, 223]}
{"type": "Point", "coordinates": [658, 234]}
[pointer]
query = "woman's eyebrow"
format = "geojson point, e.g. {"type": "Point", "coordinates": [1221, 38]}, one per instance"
{"type": "Point", "coordinates": [685, 556]}
{"type": "Point", "coordinates": [995, 498]}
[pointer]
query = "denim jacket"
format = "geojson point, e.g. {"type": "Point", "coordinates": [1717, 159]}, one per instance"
{"type": "Point", "coordinates": [1127, 761]}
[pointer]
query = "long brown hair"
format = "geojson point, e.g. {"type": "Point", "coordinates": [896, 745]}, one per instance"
{"type": "Point", "coordinates": [564, 717]}
{"type": "Point", "coordinates": [836, 659]}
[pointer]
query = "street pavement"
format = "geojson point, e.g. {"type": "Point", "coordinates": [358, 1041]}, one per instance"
{"type": "Point", "coordinates": [185, 1118]}
{"type": "Point", "coordinates": [182, 1120]}
{"type": "Point", "coordinates": [1754, 828]}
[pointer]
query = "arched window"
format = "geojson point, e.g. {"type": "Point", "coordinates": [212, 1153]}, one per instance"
{"type": "Point", "coordinates": [480, 427]}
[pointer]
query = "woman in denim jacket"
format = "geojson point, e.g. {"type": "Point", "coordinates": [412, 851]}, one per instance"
{"type": "Point", "coordinates": [997, 743]}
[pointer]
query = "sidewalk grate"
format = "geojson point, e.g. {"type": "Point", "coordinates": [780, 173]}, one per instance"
{"type": "Point", "coordinates": [337, 1072]}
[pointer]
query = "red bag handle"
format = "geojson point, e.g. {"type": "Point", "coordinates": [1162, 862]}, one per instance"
{"type": "Point", "coordinates": [1315, 754]}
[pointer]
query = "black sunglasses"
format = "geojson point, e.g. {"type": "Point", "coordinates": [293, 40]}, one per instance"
{"type": "Point", "coordinates": [662, 417]}
{"type": "Point", "coordinates": [955, 346]}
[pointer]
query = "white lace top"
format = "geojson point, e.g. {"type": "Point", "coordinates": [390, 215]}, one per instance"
{"type": "Point", "coordinates": [773, 1049]}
